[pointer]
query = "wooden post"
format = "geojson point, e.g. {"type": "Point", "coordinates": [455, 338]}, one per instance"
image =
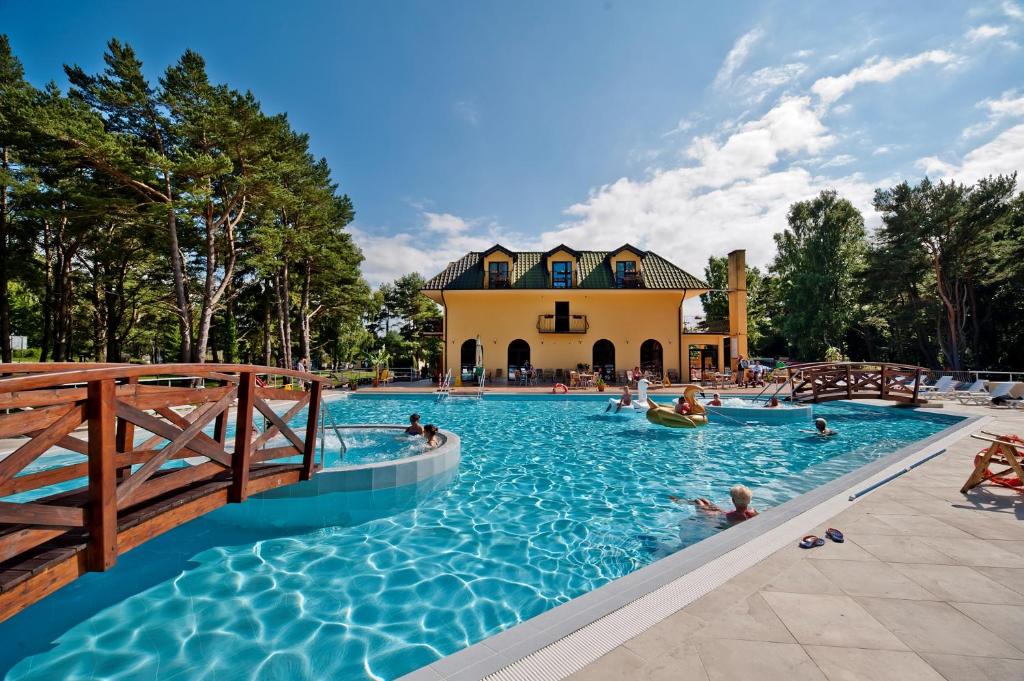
{"type": "Point", "coordinates": [102, 509]}
{"type": "Point", "coordinates": [849, 387]}
{"type": "Point", "coordinates": [309, 445]}
{"type": "Point", "coordinates": [917, 383]}
{"type": "Point", "coordinates": [240, 458]}
{"type": "Point", "coordinates": [884, 388]}
{"type": "Point", "coordinates": [125, 437]}
{"type": "Point", "coordinates": [220, 426]}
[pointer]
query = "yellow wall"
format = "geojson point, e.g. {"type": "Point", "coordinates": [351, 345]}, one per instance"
{"type": "Point", "coordinates": [625, 317]}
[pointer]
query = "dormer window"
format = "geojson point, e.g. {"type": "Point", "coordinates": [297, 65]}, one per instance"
{"type": "Point", "coordinates": [561, 274]}
{"type": "Point", "coordinates": [626, 275]}
{"type": "Point", "coordinates": [497, 275]}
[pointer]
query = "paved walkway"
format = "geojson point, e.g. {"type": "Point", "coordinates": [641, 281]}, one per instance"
{"type": "Point", "coordinates": [928, 586]}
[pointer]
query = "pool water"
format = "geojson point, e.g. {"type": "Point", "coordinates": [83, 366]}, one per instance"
{"type": "Point", "coordinates": [553, 499]}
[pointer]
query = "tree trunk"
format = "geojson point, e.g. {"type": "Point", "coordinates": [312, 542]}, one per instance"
{"type": "Point", "coordinates": [953, 348]}
{"type": "Point", "coordinates": [99, 313]}
{"type": "Point", "coordinates": [5, 304]}
{"type": "Point", "coordinates": [177, 267]}
{"type": "Point", "coordinates": [44, 346]}
{"type": "Point", "coordinates": [284, 316]}
{"type": "Point", "coordinates": [267, 342]}
{"type": "Point", "coordinates": [304, 317]}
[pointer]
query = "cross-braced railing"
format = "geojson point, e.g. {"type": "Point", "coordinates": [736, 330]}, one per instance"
{"type": "Point", "coordinates": [856, 380]}
{"type": "Point", "coordinates": [146, 449]}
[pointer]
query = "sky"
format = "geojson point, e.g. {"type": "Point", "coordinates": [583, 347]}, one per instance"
{"type": "Point", "coordinates": [683, 128]}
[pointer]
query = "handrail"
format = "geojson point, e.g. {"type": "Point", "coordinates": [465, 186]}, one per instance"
{"type": "Point", "coordinates": [852, 380]}
{"type": "Point", "coordinates": [64, 375]}
{"type": "Point", "coordinates": [135, 487]}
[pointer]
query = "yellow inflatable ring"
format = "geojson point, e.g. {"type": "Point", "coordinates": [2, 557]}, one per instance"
{"type": "Point", "coordinates": [670, 418]}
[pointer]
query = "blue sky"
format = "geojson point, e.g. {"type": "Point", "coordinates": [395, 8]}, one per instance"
{"type": "Point", "coordinates": [686, 128]}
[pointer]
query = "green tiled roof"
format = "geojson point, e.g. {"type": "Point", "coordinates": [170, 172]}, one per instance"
{"type": "Point", "coordinates": [594, 272]}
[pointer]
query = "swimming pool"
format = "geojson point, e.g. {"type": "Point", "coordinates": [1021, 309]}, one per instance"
{"type": "Point", "coordinates": [553, 499]}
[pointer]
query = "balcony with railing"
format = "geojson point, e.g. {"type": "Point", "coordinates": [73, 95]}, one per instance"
{"type": "Point", "coordinates": [430, 328]}
{"type": "Point", "coordinates": [571, 323]}
{"type": "Point", "coordinates": [628, 279]}
{"type": "Point", "coordinates": [498, 280]}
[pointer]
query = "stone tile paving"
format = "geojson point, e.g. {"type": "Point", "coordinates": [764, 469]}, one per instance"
{"type": "Point", "coordinates": [928, 586]}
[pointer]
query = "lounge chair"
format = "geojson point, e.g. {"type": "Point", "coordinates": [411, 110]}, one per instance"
{"type": "Point", "coordinates": [976, 387]}
{"type": "Point", "coordinates": [1003, 450]}
{"type": "Point", "coordinates": [985, 397]}
{"type": "Point", "coordinates": [943, 387]}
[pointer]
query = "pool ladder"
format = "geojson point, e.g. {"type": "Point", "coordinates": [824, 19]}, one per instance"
{"type": "Point", "coordinates": [325, 413]}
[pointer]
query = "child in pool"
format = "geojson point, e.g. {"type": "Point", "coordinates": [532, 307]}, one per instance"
{"type": "Point", "coordinates": [414, 425]}
{"type": "Point", "coordinates": [716, 401]}
{"type": "Point", "coordinates": [430, 433]}
{"type": "Point", "coordinates": [821, 428]}
{"type": "Point", "coordinates": [741, 498]}
{"type": "Point", "coordinates": [625, 401]}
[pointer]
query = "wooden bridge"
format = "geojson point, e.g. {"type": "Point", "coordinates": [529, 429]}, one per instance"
{"type": "Point", "coordinates": [827, 381]}
{"type": "Point", "coordinates": [133, 489]}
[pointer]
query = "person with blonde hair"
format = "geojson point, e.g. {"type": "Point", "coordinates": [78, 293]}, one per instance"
{"type": "Point", "coordinates": [741, 498]}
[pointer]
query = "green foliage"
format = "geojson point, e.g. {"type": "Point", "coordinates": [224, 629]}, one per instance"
{"type": "Point", "coordinates": [169, 220]}
{"type": "Point", "coordinates": [818, 259]}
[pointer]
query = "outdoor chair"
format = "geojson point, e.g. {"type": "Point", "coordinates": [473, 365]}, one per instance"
{"type": "Point", "coordinates": [941, 388]}
{"type": "Point", "coordinates": [988, 397]}
{"type": "Point", "coordinates": [559, 376]}
{"type": "Point", "coordinates": [1003, 450]}
{"type": "Point", "coordinates": [574, 379]}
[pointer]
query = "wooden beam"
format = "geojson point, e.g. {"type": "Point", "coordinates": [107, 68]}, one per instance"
{"type": "Point", "coordinates": [240, 458]}
{"type": "Point", "coordinates": [70, 419]}
{"type": "Point", "coordinates": [278, 422]}
{"type": "Point", "coordinates": [102, 518]}
{"type": "Point", "coordinates": [41, 514]}
{"type": "Point", "coordinates": [17, 541]}
{"type": "Point", "coordinates": [19, 423]}
{"type": "Point", "coordinates": [175, 397]}
{"type": "Point", "coordinates": [128, 487]}
{"type": "Point", "coordinates": [166, 431]}
{"type": "Point", "coordinates": [223, 458]}
{"type": "Point", "coordinates": [309, 450]}
{"type": "Point", "coordinates": [267, 435]}
{"type": "Point", "coordinates": [39, 586]}
{"type": "Point", "coordinates": [172, 480]}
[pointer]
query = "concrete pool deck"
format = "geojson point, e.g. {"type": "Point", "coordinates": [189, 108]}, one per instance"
{"type": "Point", "coordinates": [929, 585]}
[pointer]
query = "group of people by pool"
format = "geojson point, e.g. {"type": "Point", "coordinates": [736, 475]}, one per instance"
{"type": "Point", "coordinates": [429, 431]}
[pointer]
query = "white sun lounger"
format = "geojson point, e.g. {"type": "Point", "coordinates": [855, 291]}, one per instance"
{"type": "Point", "coordinates": [941, 388]}
{"type": "Point", "coordinates": [985, 397]}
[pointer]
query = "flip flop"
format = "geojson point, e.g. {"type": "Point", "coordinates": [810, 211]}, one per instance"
{"type": "Point", "coordinates": [811, 541]}
{"type": "Point", "coordinates": [835, 535]}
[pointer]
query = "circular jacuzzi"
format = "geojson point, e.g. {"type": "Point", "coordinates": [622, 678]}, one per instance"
{"type": "Point", "coordinates": [378, 472]}
{"type": "Point", "coordinates": [740, 410]}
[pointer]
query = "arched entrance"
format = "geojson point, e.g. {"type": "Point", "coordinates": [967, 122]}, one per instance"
{"type": "Point", "coordinates": [604, 358]}
{"type": "Point", "coordinates": [650, 357]}
{"type": "Point", "coordinates": [518, 355]}
{"type": "Point", "coordinates": [467, 355]}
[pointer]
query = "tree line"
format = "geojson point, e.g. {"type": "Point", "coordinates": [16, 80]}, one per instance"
{"type": "Point", "coordinates": [938, 283]}
{"type": "Point", "coordinates": [168, 220]}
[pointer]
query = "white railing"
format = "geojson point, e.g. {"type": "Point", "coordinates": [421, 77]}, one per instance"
{"type": "Point", "coordinates": [970, 376]}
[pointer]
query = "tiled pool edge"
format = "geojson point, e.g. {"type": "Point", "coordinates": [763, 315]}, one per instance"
{"type": "Point", "coordinates": [566, 638]}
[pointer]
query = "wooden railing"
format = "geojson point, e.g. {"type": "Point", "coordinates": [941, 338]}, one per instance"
{"type": "Point", "coordinates": [825, 381]}
{"type": "Point", "coordinates": [134, 484]}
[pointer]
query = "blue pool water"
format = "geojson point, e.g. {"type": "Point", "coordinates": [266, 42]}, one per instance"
{"type": "Point", "coordinates": [553, 499]}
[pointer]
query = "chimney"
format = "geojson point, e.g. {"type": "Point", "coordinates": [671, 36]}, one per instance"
{"type": "Point", "coordinates": [737, 282]}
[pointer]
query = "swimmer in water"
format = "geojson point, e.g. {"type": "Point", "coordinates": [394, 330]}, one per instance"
{"type": "Point", "coordinates": [716, 401]}
{"type": "Point", "coordinates": [741, 498]}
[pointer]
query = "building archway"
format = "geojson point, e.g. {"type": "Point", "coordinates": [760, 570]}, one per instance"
{"type": "Point", "coordinates": [518, 355]}
{"type": "Point", "coordinates": [651, 358]}
{"type": "Point", "coordinates": [467, 355]}
{"type": "Point", "coordinates": [604, 358]}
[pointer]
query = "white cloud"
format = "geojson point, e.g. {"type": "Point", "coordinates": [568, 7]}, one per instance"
{"type": "Point", "coordinates": [1013, 10]}
{"type": "Point", "coordinates": [875, 70]}
{"type": "Point", "coordinates": [840, 160]}
{"type": "Point", "coordinates": [445, 223]}
{"type": "Point", "coordinates": [737, 56]}
{"type": "Point", "coordinates": [803, 54]}
{"type": "Point", "coordinates": [467, 111]}
{"type": "Point", "coordinates": [1009, 105]}
{"type": "Point", "coordinates": [986, 32]}
{"type": "Point", "coordinates": [1003, 155]}
{"type": "Point", "coordinates": [882, 149]}
{"type": "Point", "coordinates": [759, 84]}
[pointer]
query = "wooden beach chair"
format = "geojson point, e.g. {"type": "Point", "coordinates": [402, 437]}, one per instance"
{"type": "Point", "coordinates": [1003, 450]}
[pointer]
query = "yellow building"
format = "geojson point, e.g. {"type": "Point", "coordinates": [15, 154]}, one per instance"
{"type": "Point", "coordinates": [606, 310]}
